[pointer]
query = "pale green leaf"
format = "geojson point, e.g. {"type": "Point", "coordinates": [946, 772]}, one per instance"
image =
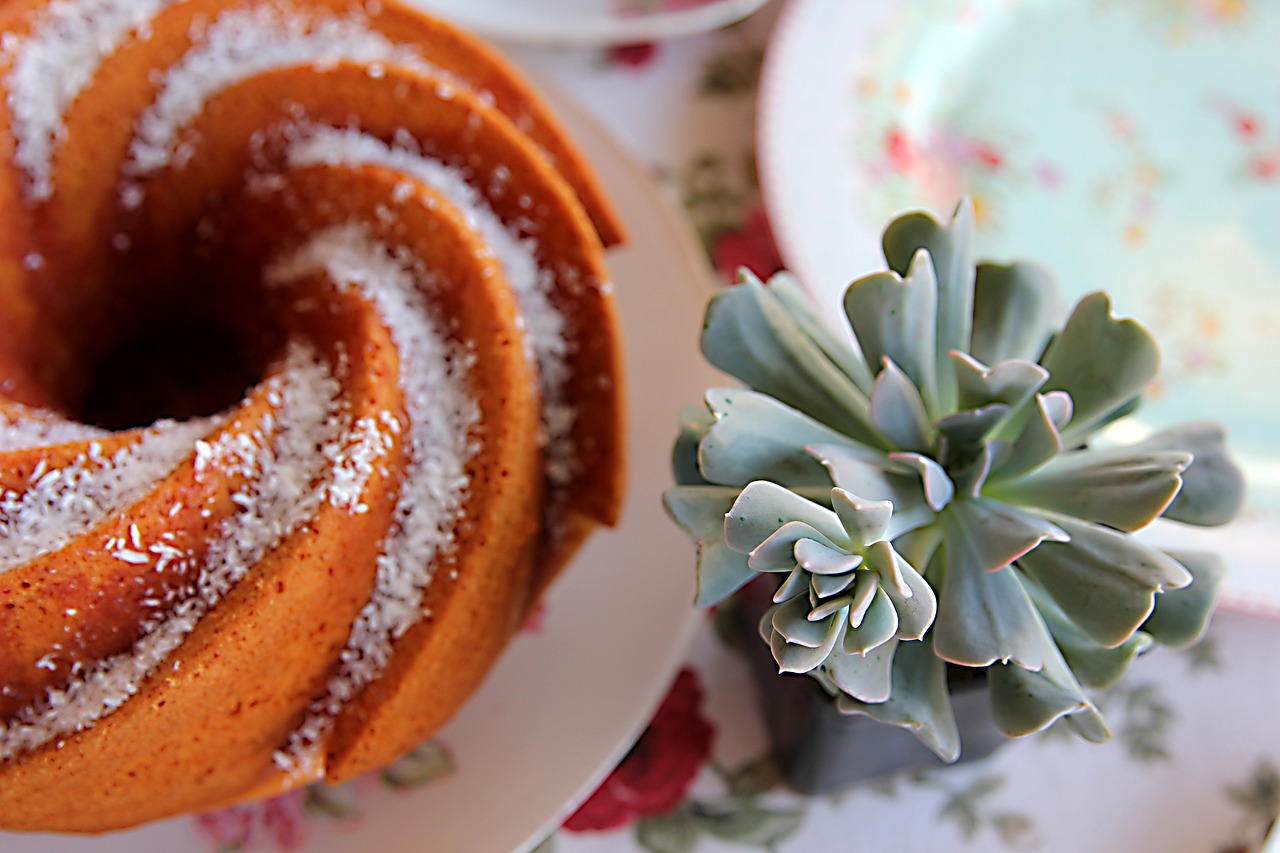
{"type": "Point", "coordinates": [840, 348]}
{"type": "Point", "coordinates": [796, 583]}
{"type": "Point", "coordinates": [951, 250]}
{"type": "Point", "coordinates": [1121, 487]}
{"type": "Point", "coordinates": [777, 552]}
{"type": "Point", "coordinates": [918, 700]}
{"type": "Point", "coordinates": [1001, 533]}
{"type": "Point", "coordinates": [1025, 701]}
{"type": "Point", "coordinates": [1181, 616]}
{"type": "Point", "coordinates": [969, 475]}
{"type": "Point", "coordinates": [1213, 486]}
{"type": "Point", "coordinates": [894, 318]}
{"type": "Point", "coordinates": [700, 512]}
{"type": "Point", "coordinates": [791, 620]}
{"type": "Point", "coordinates": [879, 624]}
{"type": "Point", "coordinates": [874, 477]}
{"type": "Point", "coordinates": [825, 586]}
{"type": "Point", "coordinates": [1012, 382]}
{"type": "Point", "coordinates": [1094, 665]}
{"type": "Point", "coordinates": [1102, 362]}
{"type": "Point", "coordinates": [970, 426]}
{"type": "Point", "coordinates": [983, 616]}
{"type": "Point", "coordinates": [819, 558]}
{"type": "Point", "coordinates": [763, 507]}
{"type": "Point", "coordinates": [676, 832]}
{"type": "Point", "coordinates": [937, 486]}
{"type": "Point", "coordinates": [912, 596]}
{"type": "Point", "coordinates": [1103, 580]}
{"type": "Point", "coordinates": [750, 334]}
{"type": "Point", "coordinates": [898, 411]}
{"type": "Point", "coordinates": [799, 658]}
{"type": "Point", "coordinates": [695, 421]}
{"type": "Point", "coordinates": [865, 521]}
{"type": "Point", "coordinates": [754, 437]}
{"type": "Point", "coordinates": [1036, 442]}
{"type": "Point", "coordinates": [1012, 311]}
{"type": "Point", "coordinates": [863, 676]}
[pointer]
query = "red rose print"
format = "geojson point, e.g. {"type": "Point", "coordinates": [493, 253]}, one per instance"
{"type": "Point", "coordinates": [902, 154]}
{"type": "Point", "coordinates": [635, 55]}
{"type": "Point", "coordinates": [229, 829]}
{"type": "Point", "coordinates": [1246, 125]}
{"type": "Point", "coordinates": [284, 821]}
{"type": "Point", "coordinates": [1265, 167]}
{"type": "Point", "coordinates": [657, 772]}
{"type": "Point", "coordinates": [533, 620]}
{"type": "Point", "coordinates": [280, 822]}
{"type": "Point", "coordinates": [750, 246]}
{"type": "Point", "coordinates": [988, 155]}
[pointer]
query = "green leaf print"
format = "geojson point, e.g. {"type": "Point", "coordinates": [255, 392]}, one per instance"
{"type": "Point", "coordinates": [676, 832]}
{"type": "Point", "coordinates": [734, 72]}
{"type": "Point", "coordinates": [426, 763]}
{"type": "Point", "coordinates": [751, 826]}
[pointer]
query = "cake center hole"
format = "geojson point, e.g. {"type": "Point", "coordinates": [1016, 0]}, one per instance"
{"type": "Point", "coordinates": [180, 363]}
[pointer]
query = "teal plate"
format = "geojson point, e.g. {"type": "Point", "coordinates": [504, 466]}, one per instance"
{"type": "Point", "coordinates": [1131, 146]}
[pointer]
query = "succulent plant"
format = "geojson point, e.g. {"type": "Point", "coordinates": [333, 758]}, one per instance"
{"type": "Point", "coordinates": [939, 488]}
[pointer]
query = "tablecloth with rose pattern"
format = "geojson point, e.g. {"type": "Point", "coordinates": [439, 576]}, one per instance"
{"type": "Point", "coordinates": [1195, 762]}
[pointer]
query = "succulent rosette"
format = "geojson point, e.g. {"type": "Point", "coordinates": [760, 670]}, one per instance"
{"type": "Point", "coordinates": [941, 487]}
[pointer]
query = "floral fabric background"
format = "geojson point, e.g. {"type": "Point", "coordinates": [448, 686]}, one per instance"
{"type": "Point", "coordinates": [1195, 761]}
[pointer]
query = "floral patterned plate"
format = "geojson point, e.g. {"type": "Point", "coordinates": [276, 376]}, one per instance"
{"type": "Point", "coordinates": [1129, 145]}
{"type": "Point", "coordinates": [574, 691]}
{"type": "Point", "coordinates": [589, 21]}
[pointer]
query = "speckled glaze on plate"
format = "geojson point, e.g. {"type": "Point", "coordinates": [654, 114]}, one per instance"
{"type": "Point", "coordinates": [1131, 146]}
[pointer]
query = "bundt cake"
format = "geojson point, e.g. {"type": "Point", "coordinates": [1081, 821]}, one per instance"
{"type": "Point", "coordinates": [309, 384]}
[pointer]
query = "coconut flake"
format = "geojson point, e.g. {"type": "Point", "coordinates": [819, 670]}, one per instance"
{"type": "Point", "coordinates": [441, 419]}
{"type": "Point", "coordinates": [355, 462]}
{"type": "Point", "coordinates": [280, 466]}
{"type": "Point", "coordinates": [546, 342]}
{"type": "Point", "coordinates": [66, 45]}
{"type": "Point", "coordinates": [238, 45]}
{"type": "Point", "coordinates": [63, 504]}
{"type": "Point", "coordinates": [22, 427]}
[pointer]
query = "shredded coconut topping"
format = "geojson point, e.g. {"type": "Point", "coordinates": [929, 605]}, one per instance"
{"type": "Point", "coordinates": [68, 41]}
{"type": "Point", "coordinates": [237, 46]}
{"type": "Point", "coordinates": [545, 339]}
{"type": "Point", "coordinates": [281, 466]}
{"type": "Point", "coordinates": [60, 505]}
{"type": "Point", "coordinates": [22, 427]}
{"type": "Point", "coordinates": [441, 417]}
{"type": "Point", "coordinates": [354, 463]}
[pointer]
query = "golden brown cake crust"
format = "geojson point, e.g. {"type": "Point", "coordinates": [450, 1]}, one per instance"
{"type": "Point", "coordinates": [251, 699]}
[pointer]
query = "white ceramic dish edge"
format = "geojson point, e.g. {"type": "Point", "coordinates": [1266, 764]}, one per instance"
{"type": "Point", "coordinates": [827, 251]}
{"type": "Point", "coordinates": [560, 24]}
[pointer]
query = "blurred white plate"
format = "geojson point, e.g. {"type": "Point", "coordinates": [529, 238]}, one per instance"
{"type": "Point", "coordinates": [1130, 147]}
{"type": "Point", "coordinates": [565, 702]}
{"type": "Point", "coordinates": [586, 22]}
